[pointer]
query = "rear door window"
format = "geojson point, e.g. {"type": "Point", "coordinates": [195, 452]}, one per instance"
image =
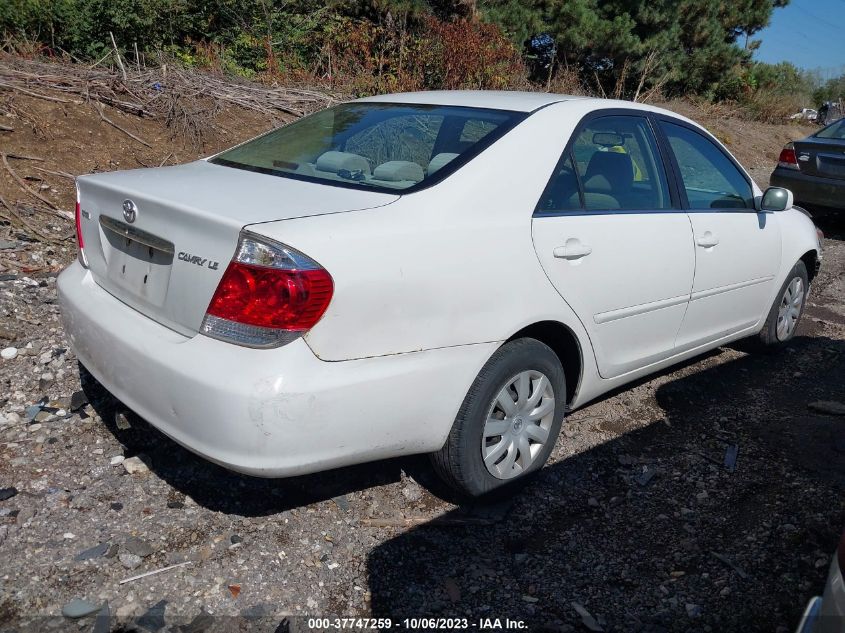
{"type": "Point", "coordinates": [561, 194]}
{"type": "Point", "coordinates": [710, 178]}
{"type": "Point", "coordinates": [619, 165]}
{"type": "Point", "coordinates": [614, 164]}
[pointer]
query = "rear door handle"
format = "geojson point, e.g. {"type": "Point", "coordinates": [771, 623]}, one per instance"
{"type": "Point", "coordinates": [573, 249]}
{"type": "Point", "coordinates": [708, 240]}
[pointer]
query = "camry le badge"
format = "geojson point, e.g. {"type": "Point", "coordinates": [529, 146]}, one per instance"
{"type": "Point", "coordinates": [130, 211]}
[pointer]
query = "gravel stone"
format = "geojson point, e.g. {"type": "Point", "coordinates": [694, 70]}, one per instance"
{"type": "Point", "coordinates": [135, 465]}
{"type": "Point", "coordinates": [121, 421]}
{"type": "Point", "coordinates": [8, 493]}
{"type": "Point", "coordinates": [412, 493]}
{"type": "Point", "coordinates": [139, 547]}
{"type": "Point", "coordinates": [25, 514]}
{"type": "Point", "coordinates": [79, 608]}
{"type": "Point", "coordinates": [128, 610]}
{"type": "Point", "coordinates": [831, 407]}
{"type": "Point", "coordinates": [93, 552]}
{"type": "Point", "coordinates": [78, 400]}
{"type": "Point", "coordinates": [130, 561]}
{"type": "Point", "coordinates": [8, 353]}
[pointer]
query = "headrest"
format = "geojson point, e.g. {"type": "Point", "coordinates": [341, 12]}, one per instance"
{"type": "Point", "coordinates": [609, 171]}
{"type": "Point", "coordinates": [599, 201]}
{"type": "Point", "coordinates": [396, 170]}
{"type": "Point", "coordinates": [335, 161]}
{"type": "Point", "coordinates": [439, 161]}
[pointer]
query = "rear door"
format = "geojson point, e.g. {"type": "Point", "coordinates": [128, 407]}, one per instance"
{"type": "Point", "coordinates": [823, 154]}
{"type": "Point", "coordinates": [737, 249]}
{"type": "Point", "coordinates": [613, 240]}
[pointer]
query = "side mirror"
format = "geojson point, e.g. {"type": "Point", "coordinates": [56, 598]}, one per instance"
{"type": "Point", "coordinates": [776, 199]}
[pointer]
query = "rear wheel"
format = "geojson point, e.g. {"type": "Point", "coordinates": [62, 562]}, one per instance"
{"type": "Point", "coordinates": [509, 421]}
{"type": "Point", "coordinates": [785, 313]}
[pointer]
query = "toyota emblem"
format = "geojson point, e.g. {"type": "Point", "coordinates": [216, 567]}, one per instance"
{"type": "Point", "coordinates": [130, 211]}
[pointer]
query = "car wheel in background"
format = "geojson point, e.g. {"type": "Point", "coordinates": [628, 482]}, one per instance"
{"type": "Point", "coordinates": [786, 311]}
{"type": "Point", "coordinates": [509, 421]}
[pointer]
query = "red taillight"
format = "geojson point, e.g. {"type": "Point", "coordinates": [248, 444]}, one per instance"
{"type": "Point", "coordinates": [269, 295]}
{"type": "Point", "coordinates": [787, 157]}
{"type": "Point", "coordinates": [79, 240]}
{"type": "Point", "coordinates": [272, 298]}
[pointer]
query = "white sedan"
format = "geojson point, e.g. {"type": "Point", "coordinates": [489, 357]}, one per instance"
{"type": "Point", "coordinates": [436, 272]}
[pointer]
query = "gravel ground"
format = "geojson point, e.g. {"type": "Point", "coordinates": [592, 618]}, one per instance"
{"type": "Point", "coordinates": [637, 525]}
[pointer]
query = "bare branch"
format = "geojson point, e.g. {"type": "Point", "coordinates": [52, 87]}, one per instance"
{"type": "Point", "coordinates": [117, 56]}
{"type": "Point", "coordinates": [99, 108]}
{"type": "Point", "coordinates": [23, 184]}
{"type": "Point", "coordinates": [38, 96]}
{"type": "Point", "coordinates": [63, 174]}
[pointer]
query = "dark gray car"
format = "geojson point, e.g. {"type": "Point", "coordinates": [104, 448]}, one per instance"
{"type": "Point", "coordinates": [814, 169]}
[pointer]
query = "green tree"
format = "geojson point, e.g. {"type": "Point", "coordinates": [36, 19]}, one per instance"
{"type": "Point", "coordinates": [690, 46]}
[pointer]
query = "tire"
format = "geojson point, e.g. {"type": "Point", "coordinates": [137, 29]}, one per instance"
{"type": "Point", "coordinates": [783, 319]}
{"type": "Point", "coordinates": [520, 363]}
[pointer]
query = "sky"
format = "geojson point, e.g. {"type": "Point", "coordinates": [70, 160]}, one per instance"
{"type": "Point", "coordinates": [808, 33]}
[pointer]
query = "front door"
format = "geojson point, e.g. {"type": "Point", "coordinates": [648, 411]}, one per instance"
{"type": "Point", "coordinates": [615, 244]}
{"type": "Point", "coordinates": [737, 249]}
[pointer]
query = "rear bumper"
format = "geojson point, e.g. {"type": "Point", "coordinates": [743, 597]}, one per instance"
{"type": "Point", "coordinates": [267, 413]}
{"type": "Point", "coordinates": [810, 190]}
{"type": "Point", "coordinates": [826, 614]}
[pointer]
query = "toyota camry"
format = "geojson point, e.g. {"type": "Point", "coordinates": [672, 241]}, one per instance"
{"type": "Point", "coordinates": [436, 272]}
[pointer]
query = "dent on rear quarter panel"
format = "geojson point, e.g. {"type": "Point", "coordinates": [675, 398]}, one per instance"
{"type": "Point", "coordinates": [269, 402]}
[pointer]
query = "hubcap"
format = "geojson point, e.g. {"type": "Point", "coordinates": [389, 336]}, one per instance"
{"type": "Point", "coordinates": [518, 424]}
{"type": "Point", "coordinates": [790, 308]}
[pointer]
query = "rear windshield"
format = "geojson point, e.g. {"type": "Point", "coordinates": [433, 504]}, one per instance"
{"type": "Point", "coordinates": [374, 145]}
{"type": "Point", "coordinates": [835, 131]}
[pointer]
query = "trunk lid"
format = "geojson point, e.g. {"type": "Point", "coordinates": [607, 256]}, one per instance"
{"type": "Point", "coordinates": [821, 157]}
{"type": "Point", "coordinates": [167, 262]}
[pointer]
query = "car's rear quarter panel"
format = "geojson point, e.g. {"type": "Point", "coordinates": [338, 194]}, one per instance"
{"type": "Point", "coordinates": [450, 265]}
{"type": "Point", "coordinates": [267, 413]}
{"type": "Point", "coordinates": [199, 208]}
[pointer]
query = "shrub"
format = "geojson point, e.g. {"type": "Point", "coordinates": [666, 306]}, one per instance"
{"type": "Point", "coordinates": [771, 106]}
{"type": "Point", "coordinates": [388, 56]}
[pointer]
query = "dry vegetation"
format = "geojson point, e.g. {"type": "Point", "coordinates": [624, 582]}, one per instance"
{"type": "Point", "coordinates": [60, 120]}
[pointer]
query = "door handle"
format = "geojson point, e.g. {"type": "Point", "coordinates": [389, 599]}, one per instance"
{"type": "Point", "coordinates": [708, 240]}
{"type": "Point", "coordinates": [573, 249]}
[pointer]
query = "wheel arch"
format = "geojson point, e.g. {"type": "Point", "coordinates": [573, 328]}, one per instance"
{"type": "Point", "coordinates": [811, 261]}
{"type": "Point", "coordinates": [565, 344]}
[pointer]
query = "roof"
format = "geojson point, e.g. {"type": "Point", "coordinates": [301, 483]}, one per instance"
{"type": "Point", "coordinates": [494, 99]}
{"type": "Point", "coordinates": [513, 100]}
